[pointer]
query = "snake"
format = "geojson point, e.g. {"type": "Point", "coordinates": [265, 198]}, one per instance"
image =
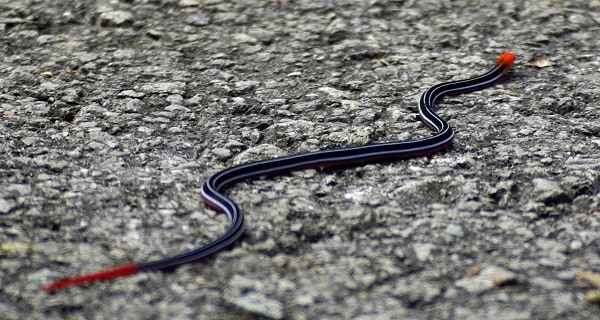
{"type": "Point", "coordinates": [213, 195]}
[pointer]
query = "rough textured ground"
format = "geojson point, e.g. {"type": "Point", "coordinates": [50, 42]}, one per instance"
{"type": "Point", "coordinates": [113, 113]}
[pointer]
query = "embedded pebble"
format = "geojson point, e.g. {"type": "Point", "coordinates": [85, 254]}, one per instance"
{"type": "Point", "coordinates": [115, 18]}
{"type": "Point", "coordinates": [334, 93]}
{"type": "Point", "coordinates": [222, 153]}
{"type": "Point", "coordinates": [258, 304]}
{"type": "Point", "coordinates": [6, 205]}
{"type": "Point", "coordinates": [487, 279]}
{"type": "Point", "coordinates": [547, 190]}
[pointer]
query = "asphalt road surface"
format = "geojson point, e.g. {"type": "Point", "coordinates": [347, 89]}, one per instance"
{"type": "Point", "coordinates": [114, 113]}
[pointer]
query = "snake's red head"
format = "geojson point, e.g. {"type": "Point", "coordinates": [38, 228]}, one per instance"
{"type": "Point", "coordinates": [505, 60]}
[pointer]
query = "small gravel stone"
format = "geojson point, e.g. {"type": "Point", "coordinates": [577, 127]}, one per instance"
{"type": "Point", "coordinates": [487, 279]}
{"type": "Point", "coordinates": [423, 250]}
{"type": "Point", "coordinates": [115, 18]}
{"type": "Point", "coordinates": [334, 93]}
{"type": "Point", "coordinates": [6, 206]}
{"type": "Point", "coordinates": [547, 190]}
{"type": "Point", "coordinates": [189, 3]}
{"type": "Point", "coordinates": [455, 230]}
{"type": "Point", "coordinates": [258, 304]}
{"type": "Point", "coordinates": [222, 153]}
{"type": "Point", "coordinates": [173, 87]}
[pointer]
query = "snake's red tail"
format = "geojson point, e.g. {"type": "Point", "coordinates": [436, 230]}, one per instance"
{"type": "Point", "coordinates": [122, 271]}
